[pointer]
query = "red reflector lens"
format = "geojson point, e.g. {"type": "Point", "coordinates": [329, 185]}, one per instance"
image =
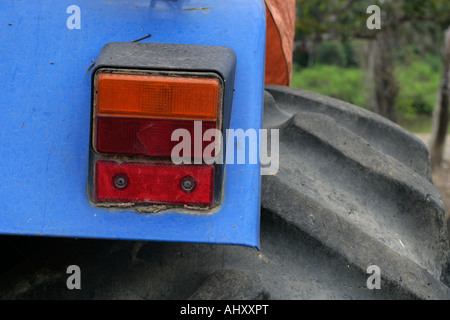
{"type": "Point", "coordinates": [154, 183]}
{"type": "Point", "coordinates": [151, 137]}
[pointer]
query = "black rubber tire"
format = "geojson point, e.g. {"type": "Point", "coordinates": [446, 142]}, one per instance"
{"type": "Point", "coordinates": [353, 190]}
{"type": "Point", "coordinates": [359, 185]}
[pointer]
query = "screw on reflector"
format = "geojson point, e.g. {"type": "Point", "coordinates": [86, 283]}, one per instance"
{"type": "Point", "coordinates": [121, 181]}
{"type": "Point", "coordinates": [188, 184]}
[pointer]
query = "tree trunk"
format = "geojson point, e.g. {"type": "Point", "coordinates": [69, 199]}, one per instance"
{"type": "Point", "coordinates": [311, 45]}
{"type": "Point", "coordinates": [381, 71]}
{"type": "Point", "coordinates": [441, 111]}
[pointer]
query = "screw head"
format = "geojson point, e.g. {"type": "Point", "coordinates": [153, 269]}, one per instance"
{"type": "Point", "coordinates": [121, 181]}
{"type": "Point", "coordinates": [188, 184]}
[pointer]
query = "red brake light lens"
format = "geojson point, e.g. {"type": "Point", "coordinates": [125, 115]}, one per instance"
{"type": "Point", "coordinates": [150, 137]}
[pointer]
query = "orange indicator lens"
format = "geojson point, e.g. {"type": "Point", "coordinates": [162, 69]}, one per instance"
{"type": "Point", "coordinates": [169, 97]}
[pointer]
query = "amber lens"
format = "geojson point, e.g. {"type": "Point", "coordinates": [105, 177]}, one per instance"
{"type": "Point", "coordinates": [155, 96]}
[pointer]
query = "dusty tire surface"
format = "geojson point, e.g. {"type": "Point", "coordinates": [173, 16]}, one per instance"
{"type": "Point", "coordinates": [353, 190]}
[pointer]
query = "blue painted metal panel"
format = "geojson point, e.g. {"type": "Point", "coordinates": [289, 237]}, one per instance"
{"type": "Point", "coordinates": [45, 114]}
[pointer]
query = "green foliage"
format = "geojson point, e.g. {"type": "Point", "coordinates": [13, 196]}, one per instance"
{"type": "Point", "coordinates": [332, 52]}
{"type": "Point", "coordinates": [346, 84]}
{"type": "Point", "coordinates": [331, 28]}
{"type": "Point", "coordinates": [341, 17]}
{"type": "Point", "coordinates": [347, 18]}
{"type": "Point", "coordinates": [419, 82]}
{"type": "Point", "coordinates": [437, 11]}
{"type": "Point", "coordinates": [419, 85]}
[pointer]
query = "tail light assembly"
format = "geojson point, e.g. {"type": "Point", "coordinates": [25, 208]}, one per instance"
{"type": "Point", "coordinates": [141, 94]}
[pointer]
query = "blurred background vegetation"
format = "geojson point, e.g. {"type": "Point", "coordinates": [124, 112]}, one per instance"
{"type": "Point", "coordinates": [395, 71]}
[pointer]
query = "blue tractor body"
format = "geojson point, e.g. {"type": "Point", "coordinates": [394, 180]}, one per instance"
{"type": "Point", "coordinates": [47, 48]}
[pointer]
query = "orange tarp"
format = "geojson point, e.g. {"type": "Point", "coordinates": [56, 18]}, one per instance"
{"type": "Point", "coordinates": [279, 41]}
